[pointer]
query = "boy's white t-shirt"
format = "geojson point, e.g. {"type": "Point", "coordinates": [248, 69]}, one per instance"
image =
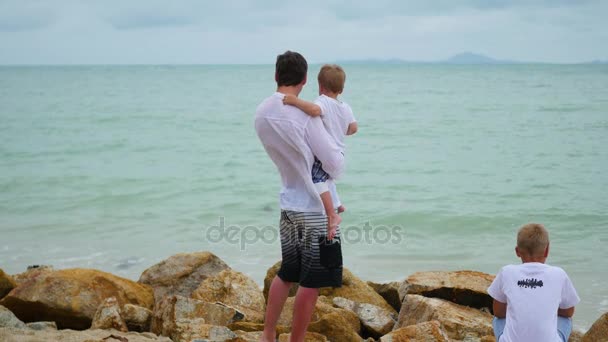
{"type": "Point", "coordinates": [336, 116]}
{"type": "Point", "coordinates": [533, 292]}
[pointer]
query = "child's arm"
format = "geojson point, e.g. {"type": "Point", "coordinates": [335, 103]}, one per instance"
{"type": "Point", "coordinates": [352, 128]}
{"type": "Point", "coordinates": [305, 106]}
{"type": "Point", "coordinates": [569, 312]}
{"type": "Point", "coordinates": [499, 309]}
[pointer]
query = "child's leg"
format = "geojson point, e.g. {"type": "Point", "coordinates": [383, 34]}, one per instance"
{"type": "Point", "coordinates": [319, 177]}
{"type": "Point", "coordinates": [499, 326]}
{"type": "Point", "coordinates": [564, 327]}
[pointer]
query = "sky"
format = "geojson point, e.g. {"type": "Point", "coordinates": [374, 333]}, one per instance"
{"type": "Point", "coordinates": [256, 31]}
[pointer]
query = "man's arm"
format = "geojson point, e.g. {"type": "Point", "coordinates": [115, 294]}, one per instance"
{"type": "Point", "coordinates": [324, 148]}
{"type": "Point", "coordinates": [499, 309]}
{"type": "Point", "coordinates": [569, 312]}
{"type": "Point", "coordinates": [305, 106]}
{"type": "Point", "coordinates": [352, 128]}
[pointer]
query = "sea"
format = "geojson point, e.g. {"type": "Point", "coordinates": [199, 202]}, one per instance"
{"type": "Point", "coordinates": [119, 167]}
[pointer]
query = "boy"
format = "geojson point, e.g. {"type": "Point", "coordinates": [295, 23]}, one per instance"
{"type": "Point", "coordinates": [532, 301]}
{"type": "Point", "coordinates": [339, 121]}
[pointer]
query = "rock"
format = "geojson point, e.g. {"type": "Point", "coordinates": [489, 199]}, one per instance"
{"type": "Point", "coordinates": [376, 321]}
{"type": "Point", "coordinates": [71, 297]}
{"type": "Point", "coordinates": [195, 330]}
{"type": "Point", "coordinates": [352, 288]}
{"type": "Point", "coordinates": [236, 290]}
{"type": "Point", "coordinates": [9, 320]}
{"type": "Point", "coordinates": [309, 337]}
{"type": "Point", "coordinates": [468, 288]}
{"type": "Point", "coordinates": [255, 327]}
{"type": "Point", "coordinates": [598, 331]}
{"type": "Point", "coordinates": [335, 327]}
{"type": "Point", "coordinates": [430, 331]}
{"type": "Point", "coordinates": [42, 325]}
{"type": "Point", "coordinates": [458, 321]}
{"type": "Point", "coordinates": [576, 336]}
{"type": "Point", "coordinates": [247, 336]}
{"type": "Point", "coordinates": [29, 335]}
{"type": "Point", "coordinates": [388, 291]}
{"type": "Point", "coordinates": [181, 274]}
{"type": "Point", "coordinates": [32, 272]}
{"type": "Point", "coordinates": [136, 317]}
{"type": "Point", "coordinates": [6, 284]}
{"type": "Point", "coordinates": [174, 314]}
{"type": "Point", "coordinates": [108, 316]}
{"type": "Point", "coordinates": [323, 307]}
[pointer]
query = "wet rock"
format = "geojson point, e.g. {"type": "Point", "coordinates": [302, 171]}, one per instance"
{"type": "Point", "coordinates": [108, 316]}
{"type": "Point", "coordinates": [376, 321]}
{"type": "Point", "coordinates": [136, 317]}
{"type": "Point", "coordinates": [459, 322]}
{"type": "Point", "coordinates": [71, 297]}
{"type": "Point", "coordinates": [430, 331]}
{"type": "Point", "coordinates": [181, 274]}
{"type": "Point", "coordinates": [388, 291]}
{"type": "Point", "coordinates": [236, 290]}
{"type": "Point", "coordinates": [6, 284]}
{"type": "Point", "coordinates": [468, 288]}
{"type": "Point", "coordinates": [598, 331]}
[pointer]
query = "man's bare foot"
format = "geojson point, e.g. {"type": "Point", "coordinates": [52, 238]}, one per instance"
{"type": "Point", "coordinates": [341, 209]}
{"type": "Point", "coordinates": [333, 221]}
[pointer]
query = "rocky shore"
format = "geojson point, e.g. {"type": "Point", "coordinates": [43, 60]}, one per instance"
{"type": "Point", "coordinates": [197, 297]}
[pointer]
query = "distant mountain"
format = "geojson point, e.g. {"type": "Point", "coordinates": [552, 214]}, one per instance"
{"type": "Point", "coordinates": [598, 61]}
{"type": "Point", "coordinates": [474, 58]}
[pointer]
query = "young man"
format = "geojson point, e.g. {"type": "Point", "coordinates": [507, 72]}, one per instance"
{"type": "Point", "coordinates": [532, 301]}
{"type": "Point", "coordinates": [292, 139]}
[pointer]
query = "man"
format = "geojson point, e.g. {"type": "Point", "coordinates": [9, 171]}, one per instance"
{"type": "Point", "coordinates": [292, 139]}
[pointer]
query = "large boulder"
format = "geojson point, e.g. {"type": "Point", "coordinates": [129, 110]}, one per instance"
{"type": "Point", "coordinates": [136, 317]}
{"type": "Point", "coordinates": [458, 321]}
{"type": "Point", "coordinates": [323, 307]}
{"type": "Point", "coordinates": [376, 320]}
{"type": "Point", "coordinates": [598, 331]}
{"type": "Point", "coordinates": [32, 271]}
{"type": "Point", "coordinates": [9, 320]}
{"type": "Point", "coordinates": [388, 291]}
{"type": "Point", "coordinates": [336, 327]}
{"type": "Point", "coordinates": [108, 316]}
{"type": "Point", "coordinates": [309, 337]}
{"type": "Point", "coordinates": [468, 288]}
{"type": "Point", "coordinates": [430, 331]}
{"type": "Point", "coordinates": [180, 316]}
{"type": "Point", "coordinates": [6, 284]}
{"type": "Point", "coordinates": [196, 330]}
{"type": "Point", "coordinates": [352, 288]}
{"type": "Point", "coordinates": [71, 297]}
{"type": "Point", "coordinates": [182, 273]}
{"type": "Point", "coordinates": [30, 335]}
{"type": "Point", "coordinates": [236, 290]}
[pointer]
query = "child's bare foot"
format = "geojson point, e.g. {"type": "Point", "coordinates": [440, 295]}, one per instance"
{"type": "Point", "coordinates": [341, 209]}
{"type": "Point", "coordinates": [333, 221]}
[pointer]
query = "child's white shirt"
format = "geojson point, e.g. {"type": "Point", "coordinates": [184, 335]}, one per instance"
{"type": "Point", "coordinates": [533, 292]}
{"type": "Point", "coordinates": [336, 116]}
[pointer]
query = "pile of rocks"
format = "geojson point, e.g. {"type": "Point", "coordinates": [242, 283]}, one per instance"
{"type": "Point", "coordinates": [198, 297]}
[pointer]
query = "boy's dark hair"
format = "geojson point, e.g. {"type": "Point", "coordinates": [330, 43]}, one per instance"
{"type": "Point", "coordinates": [291, 69]}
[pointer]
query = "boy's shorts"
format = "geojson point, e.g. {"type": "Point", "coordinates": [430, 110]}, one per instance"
{"type": "Point", "coordinates": [307, 258]}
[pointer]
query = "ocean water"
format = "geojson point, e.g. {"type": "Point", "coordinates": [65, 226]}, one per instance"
{"type": "Point", "coordinates": [119, 167]}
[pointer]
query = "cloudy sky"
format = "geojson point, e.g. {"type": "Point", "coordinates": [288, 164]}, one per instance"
{"type": "Point", "coordinates": [255, 31]}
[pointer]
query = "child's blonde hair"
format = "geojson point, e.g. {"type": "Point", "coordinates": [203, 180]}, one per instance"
{"type": "Point", "coordinates": [532, 239]}
{"type": "Point", "coordinates": [332, 78]}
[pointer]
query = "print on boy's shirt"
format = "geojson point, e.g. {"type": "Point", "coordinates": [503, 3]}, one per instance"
{"type": "Point", "coordinates": [530, 283]}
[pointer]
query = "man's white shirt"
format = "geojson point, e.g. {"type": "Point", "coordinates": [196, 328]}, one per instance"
{"type": "Point", "coordinates": [292, 139]}
{"type": "Point", "coordinates": [533, 292]}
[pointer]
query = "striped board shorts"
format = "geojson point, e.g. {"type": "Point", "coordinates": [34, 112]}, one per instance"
{"type": "Point", "coordinates": [308, 258]}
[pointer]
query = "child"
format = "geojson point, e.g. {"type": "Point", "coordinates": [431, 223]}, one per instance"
{"type": "Point", "coordinates": [532, 301]}
{"type": "Point", "coordinates": [339, 121]}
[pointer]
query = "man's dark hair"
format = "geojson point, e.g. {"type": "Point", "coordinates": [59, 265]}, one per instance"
{"type": "Point", "coordinates": [291, 68]}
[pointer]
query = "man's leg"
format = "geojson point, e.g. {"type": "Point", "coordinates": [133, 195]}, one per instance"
{"type": "Point", "coordinates": [499, 326]}
{"type": "Point", "coordinates": [277, 295]}
{"type": "Point", "coordinates": [564, 327]}
{"type": "Point", "coordinates": [303, 307]}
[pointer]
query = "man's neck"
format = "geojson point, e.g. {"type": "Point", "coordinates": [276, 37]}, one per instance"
{"type": "Point", "coordinates": [289, 90]}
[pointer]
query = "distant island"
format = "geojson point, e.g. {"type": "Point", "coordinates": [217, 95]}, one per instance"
{"type": "Point", "coordinates": [463, 58]}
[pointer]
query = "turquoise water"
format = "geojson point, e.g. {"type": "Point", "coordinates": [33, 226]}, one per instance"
{"type": "Point", "coordinates": [118, 167]}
